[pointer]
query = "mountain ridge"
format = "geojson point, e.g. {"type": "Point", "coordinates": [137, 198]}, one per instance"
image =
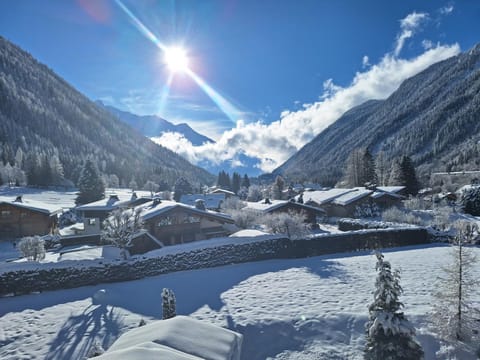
{"type": "Point", "coordinates": [430, 117]}
{"type": "Point", "coordinates": [154, 126]}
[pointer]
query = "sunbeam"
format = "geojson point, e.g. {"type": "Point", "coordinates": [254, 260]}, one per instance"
{"type": "Point", "coordinates": [223, 104]}
{"type": "Point", "coordinates": [164, 94]}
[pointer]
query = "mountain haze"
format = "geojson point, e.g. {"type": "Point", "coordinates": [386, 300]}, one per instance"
{"type": "Point", "coordinates": [155, 126]}
{"type": "Point", "coordinates": [433, 117]}
{"type": "Point", "coordinates": [45, 117]}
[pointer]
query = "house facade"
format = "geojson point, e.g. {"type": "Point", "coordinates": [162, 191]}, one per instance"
{"type": "Point", "coordinates": [267, 206]}
{"type": "Point", "coordinates": [21, 217]}
{"type": "Point", "coordinates": [175, 223]}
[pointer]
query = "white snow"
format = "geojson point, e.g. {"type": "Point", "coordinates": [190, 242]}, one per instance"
{"type": "Point", "coordinates": [177, 336]}
{"type": "Point", "coordinates": [248, 233]}
{"type": "Point", "coordinates": [313, 308]}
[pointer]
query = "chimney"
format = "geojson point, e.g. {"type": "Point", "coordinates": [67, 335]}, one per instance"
{"type": "Point", "coordinates": [267, 201]}
{"type": "Point", "coordinates": [200, 204]}
{"type": "Point", "coordinates": [156, 201]}
{"type": "Point", "coordinates": [18, 199]}
{"type": "Point", "coordinates": [134, 196]}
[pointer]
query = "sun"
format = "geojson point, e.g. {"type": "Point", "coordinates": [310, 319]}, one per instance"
{"type": "Point", "coordinates": [176, 59]}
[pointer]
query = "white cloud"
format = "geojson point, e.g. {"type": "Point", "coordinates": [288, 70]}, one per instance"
{"type": "Point", "coordinates": [447, 9]}
{"type": "Point", "coordinates": [427, 44]}
{"type": "Point", "coordinates": [365, 61]}
{"type": "Point", "coordinates": [274, 143]}
{"type": "Point", "coordinates": [408, 25]}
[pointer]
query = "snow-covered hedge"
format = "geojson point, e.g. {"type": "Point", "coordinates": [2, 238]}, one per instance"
{"type": "Point", "coordinates": [348, 224]}
{"type": "Point", "coordinates": [39, 277]}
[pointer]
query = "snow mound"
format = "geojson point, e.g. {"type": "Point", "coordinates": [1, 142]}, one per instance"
{"type": "Point", "coordinates": [180, 337]}
{"type": "Point", "coordinates": [248, 233]}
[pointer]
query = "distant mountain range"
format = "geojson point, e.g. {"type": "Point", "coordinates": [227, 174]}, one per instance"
{"type": "Point", "coordinates": [434, 117]}
{"type": "Point", "coordinates": [42, 118]}
{"type": "Point", "coordinates": [155, 126]}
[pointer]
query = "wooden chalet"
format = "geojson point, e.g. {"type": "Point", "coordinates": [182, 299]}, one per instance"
{"type": "Point", "coordinates": [21, 217]}
{"type": "Point", "coordinates": [267, 206]}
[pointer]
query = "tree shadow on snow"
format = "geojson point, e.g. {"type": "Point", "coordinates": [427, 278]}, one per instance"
{"type": "Point", "coordinates": [79, 332]}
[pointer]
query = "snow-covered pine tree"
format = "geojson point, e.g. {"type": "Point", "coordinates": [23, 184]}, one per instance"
{"type": "Point", "coordinates": [471, 200]}
{"type": "Point", "coordinates": [90, 184]}
{"type": "Point", "coordinates": [390, 336]}
{"type": "Point", "coordinates": [168, 304]}
{"type": "Point", "coordinates": [453, 315]}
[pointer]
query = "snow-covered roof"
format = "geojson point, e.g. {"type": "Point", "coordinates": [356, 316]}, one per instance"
{"type": "Point", "coordinates": [352, 196]}
{"type": "Point", "coordinates": [391, 189]}
{"type": "Point", "coordinates": [248, 233]}
{"type": "Point", "coordinates": [33, 205]}
{"type": "Point", "coordinates": [276, 204]}
{"type": "Point", "coordinates": [178, 338]}
{"type": "Point", "coordinates": [212, 201]}
{"type": "Point", "coordinates": [324, 196]}
{"type": "Point", "coordinates": [379, 194]}
{"type": "Point", "coordinates": [228, 192]}
{"type": "Point", "coordinates": [154, 208]}
{"type": "Point", "coordinates": [108, 203]}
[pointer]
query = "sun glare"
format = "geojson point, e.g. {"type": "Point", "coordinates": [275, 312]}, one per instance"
{"type": "Point", "coordinates": [176, 59]}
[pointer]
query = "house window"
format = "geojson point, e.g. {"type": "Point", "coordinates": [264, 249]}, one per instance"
{"type": "Point", "coordinates": [166, 221]}
{"type": "Point", "coordinates": [92, 222]}
{"type": "Point", "coordinates": [191, 219]}
{"type": "Point", "coordinates": [6, 213]}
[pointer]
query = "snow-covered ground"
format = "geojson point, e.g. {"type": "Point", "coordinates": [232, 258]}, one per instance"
{"type": "Point", "coordinates": [311, 308]}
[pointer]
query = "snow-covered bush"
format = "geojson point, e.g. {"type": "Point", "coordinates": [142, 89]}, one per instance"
{"type": "Point", "coordinates": [246, 218]}
{"type": "Point", "coordinates": [32, 247]}
{"type": "Point", "coordinates": [232, 203]}
{"type": "Point", "coordinates": [366, 210]}
{"type": "Point", "coordinates": [142, 323]}
{"type": "Point", "coordinates": [389, 334]}
{"type": "Point", "coordinates": [168, 304]}
{"type": "Point", "coordinates": [471, 200]}
{"type": "Point", "coordinates": [441, 218]}
{"type": "Point", "coordinates": [67, 218]}
{"type": "Point", "coordinates": [416, 203]}
{"type": "Point", "coordinates": [95, 350]}
{"type": "Point", "coordinates": [291, 224]}
{"type": "Point", "coordinates": [254, 193]}
{"type": "Point", "coordinates": [397, 215]}
{"type": "Point", "coordinates": [120, 228]}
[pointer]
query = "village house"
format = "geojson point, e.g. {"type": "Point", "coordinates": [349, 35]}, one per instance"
{"type": "Point", "coordinates": [267, 206]}
{"type": "Point", "coordinates": [343, 202]}
{"type": "Point", "coordinates": [94, 213]}
{"type": "Point", "coordinates": [171, 223]}
{"type": "Point", "coordinates": [23, 217]}
{"type": "Point", "coordinates": [228, 193]}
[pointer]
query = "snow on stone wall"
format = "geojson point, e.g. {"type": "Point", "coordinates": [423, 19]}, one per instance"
{"type": "Point", "coordinates": [41, 277]}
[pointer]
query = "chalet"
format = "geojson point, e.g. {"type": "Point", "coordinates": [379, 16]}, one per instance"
{"type": "Point", "coordinates": [228, 193]}
{"type": "Point", "coordinates": [267, 206]}
{"type": "Point", "coordinates": [21, 217]}
{"type": "Point", "coordinates": [172, 223]}
{"type": "Point", "coordinates": [212, 201]}
{"type": "Point", "coordinates": [343, 202]}
{"type": "Point", "coordinates": [95, 212]}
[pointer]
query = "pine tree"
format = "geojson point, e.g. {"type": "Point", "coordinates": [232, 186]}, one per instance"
{"type": "Point", "coordinates": [381, 168]}
{"type": "Point", "coordinates": [182, 186]}
{"type": "Point", "coordinates": [409, 176]}
{"type": "Point", "coordinates": [168, 304]}
{"type": "Point", "coordinates": [471, 200]}
{"type": "Point", "coordinates": [90, 184]}
{"type": "Point", "coordinates": [453, 314]}
{"type": "Point", "coordinates": [245, 181]}
{"type": "Point", "coordinates": [236, 179]}
{"type": "Point", "coordinates": [369, 176]}
{"type": "Point", "coordinates": [390, 336]}
{"type": "Point", "coordinates": [278, 186]}
{"type": "Point", "coordinates": [360, 168]}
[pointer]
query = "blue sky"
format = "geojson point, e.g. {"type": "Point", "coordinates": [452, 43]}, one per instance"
{"type": "Point", "coordinates": [289, 67]}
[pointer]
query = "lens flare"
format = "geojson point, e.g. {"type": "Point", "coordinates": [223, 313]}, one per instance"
{"type": "Point", "coordinates": [177, 61]}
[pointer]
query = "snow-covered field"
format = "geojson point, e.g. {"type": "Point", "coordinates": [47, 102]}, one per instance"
{"type": "Point", "coordinates": [311, 308]}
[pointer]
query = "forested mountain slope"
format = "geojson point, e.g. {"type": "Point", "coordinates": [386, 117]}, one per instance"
{"type": "Point", "coordinates": [43, 120]}
{"type": "Point", "coordinates": [434, 117]}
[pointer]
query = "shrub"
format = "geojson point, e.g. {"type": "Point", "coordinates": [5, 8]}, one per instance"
{"type": "Point", "coordinates": [32, 247]}
{"type": "Point", "coordinates": [397, 215]}
{"type": "Point", "coordinates": [471, 201]}
{"type": "Point", "coordinates": [290, 224]}
{"type": "Point", "coordinates": [246, 218]}
{"type": "Point", "coordinates": [168, 304]}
